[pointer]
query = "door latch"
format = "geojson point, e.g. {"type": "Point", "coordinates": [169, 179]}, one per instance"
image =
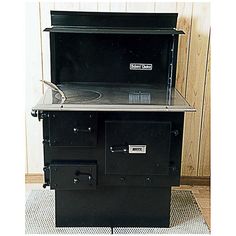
{"type": "Point", "coordinates": [82, 177]}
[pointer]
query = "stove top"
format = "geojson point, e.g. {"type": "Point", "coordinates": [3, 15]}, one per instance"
{"type": "Point", "coordinates": [79, 95]}
{"type": "Point", "coordinates": [98, 96]}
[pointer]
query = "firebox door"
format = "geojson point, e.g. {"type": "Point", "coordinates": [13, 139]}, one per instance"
{"type": "Point", "coordinates": [137, 147]}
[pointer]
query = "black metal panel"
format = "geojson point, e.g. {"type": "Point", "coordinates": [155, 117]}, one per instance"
{"type": "Point", "coordinates": [118, 200]}
{"type": "Point", "coordinates": [150, 141]}
{"type": "Point", "coordinates": [106, 58]}
{"type": "Point", "coordinates": [55, 154]}
{"type": "Point", "coordinates": [111, 19]}
{"type": "Point", "coordinates": [113, 207]}
{"type": "Point", "coordinates": [99, 47]}
{"type": "Point", "coordinates": [72, 129]}
{"type": "Point", "coordinates": [73, 176]}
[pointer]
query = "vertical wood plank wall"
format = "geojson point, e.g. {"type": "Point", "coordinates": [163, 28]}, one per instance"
{"type": "Point", "coordinates": [193, 72]}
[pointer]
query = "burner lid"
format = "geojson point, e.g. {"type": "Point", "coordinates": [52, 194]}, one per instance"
{"type": "Point", "coordinates": [79, 95]}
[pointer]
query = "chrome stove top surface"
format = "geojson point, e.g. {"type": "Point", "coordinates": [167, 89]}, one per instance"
{"type": "Point", "coordinates": [98, 96]}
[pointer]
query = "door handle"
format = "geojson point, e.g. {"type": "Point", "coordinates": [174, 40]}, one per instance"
{"type": "Point", "coordinates": [82, 177]}
{"type": "Point", "coordinates": [121, 149]}
{"type": "Point", "coordinates": [77, 130]}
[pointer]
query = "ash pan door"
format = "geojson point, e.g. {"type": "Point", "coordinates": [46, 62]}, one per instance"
{"type": "Point", "coordinates": [73, 176]}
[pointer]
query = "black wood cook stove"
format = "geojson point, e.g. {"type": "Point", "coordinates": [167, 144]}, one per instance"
{"type": "Point", "coordinates": [112, 118]}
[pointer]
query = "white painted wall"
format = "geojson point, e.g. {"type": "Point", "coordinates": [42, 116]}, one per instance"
{"type": "Point", "coordinates": [38, 58]}
{"type": "Point", "coordinates": [33, 88]}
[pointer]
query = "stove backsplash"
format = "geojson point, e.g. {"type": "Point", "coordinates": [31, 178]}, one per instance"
{"type": "Point", "coordinates": [112, 58]}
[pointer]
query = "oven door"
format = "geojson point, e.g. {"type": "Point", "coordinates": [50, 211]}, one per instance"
{"type": "Point", "coordinates": [137, 147]}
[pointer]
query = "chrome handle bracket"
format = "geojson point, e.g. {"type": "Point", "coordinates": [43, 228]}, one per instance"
{"type": "Point", "coordinates": [55, 88]}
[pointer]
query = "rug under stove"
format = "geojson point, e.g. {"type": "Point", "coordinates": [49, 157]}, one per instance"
{"type": "Point", "coordinates": [185, 217]}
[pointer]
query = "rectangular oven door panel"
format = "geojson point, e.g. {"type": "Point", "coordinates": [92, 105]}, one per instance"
{"type": "Point", "coordinates": [73, 176]}
{"type": "Point", "coordinates": [73, 129]}
{"type": "Point", "coordinates": [137, 147]}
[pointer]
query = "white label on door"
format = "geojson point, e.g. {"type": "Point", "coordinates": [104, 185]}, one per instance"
{"type": "Point", "coordinates": [137, 149]}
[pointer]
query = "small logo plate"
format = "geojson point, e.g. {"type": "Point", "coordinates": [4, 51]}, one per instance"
{"type": "Point", "coordinates": [140, 66]}
{"type": "Point", "coordinates": [137, 149]}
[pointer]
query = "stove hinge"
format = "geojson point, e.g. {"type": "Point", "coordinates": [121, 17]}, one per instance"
{"type": "Point", "coordinates": [43, 115]}
{"type": "Point", "coordinates": [46, 141]}
{"type": "Point", "coordinates": [175, 132]}
{"type": "Point", "coordinates": [40, 114]}
{"type": "Point", "coordinates": [173, 170]}
{"type": "Point", "coordinates": [46, 176]}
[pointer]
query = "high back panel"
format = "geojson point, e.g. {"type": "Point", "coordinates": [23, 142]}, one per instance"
{"type": "Point", "coordinates": [108, 58]}
{"type": "Point", "coordinates": [113, 19]}
{"type": "Point", "coordinates": [114, 48]}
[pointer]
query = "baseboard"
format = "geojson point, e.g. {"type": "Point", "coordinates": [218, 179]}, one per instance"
{"type": "Point", "coordinates": [185, 180]}
{"type": "Point", "coordinates": [195, 180]}
{"type": "Point", "coordinates": [34, 178]}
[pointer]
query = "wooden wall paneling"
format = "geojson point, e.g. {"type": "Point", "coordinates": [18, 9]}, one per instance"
{"type": "Point", "coordinates": [88, 6]}
{"type": "Point", "coordinates": [36, 178]}
{"type": "Point", "coordinates": [165, 7]}
{"type": "Point", "coordinates": [184, 22]}
{"type": "Point", "coordinates": [45, 21]}
{"type": "Point", "coordinates": [195, 86]}
{"type": "Point", "coordinates": [205, 143]}
{"type": "Point", "coordinates": [66, 6]}
{"type": "Point", "coordinates": [104, 6]}
{"type": "Point", "coordinates": [33, 87]}
{"type": "Point", "coordinates": [118, 6]}
{"type": "Point", "coordinates": [140, 6]}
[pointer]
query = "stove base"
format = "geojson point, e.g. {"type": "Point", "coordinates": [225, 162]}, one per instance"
{"type": "Point", "coordinates": [114, 207]}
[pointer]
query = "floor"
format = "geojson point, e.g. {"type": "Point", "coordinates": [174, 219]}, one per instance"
{"type": "Point", "coordinates": [201, 193]}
